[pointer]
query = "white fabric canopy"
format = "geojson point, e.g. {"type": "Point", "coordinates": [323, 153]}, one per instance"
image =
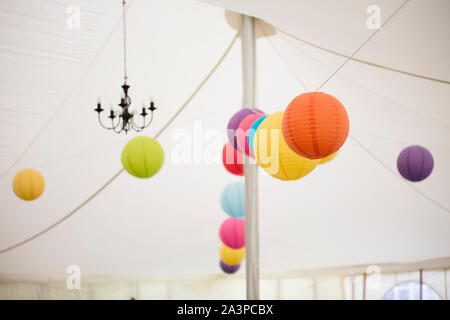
{"type": "Point", "coordinates": [350, 211]}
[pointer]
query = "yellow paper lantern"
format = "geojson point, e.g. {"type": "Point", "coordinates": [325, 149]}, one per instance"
{"type": "Point", "coordinates": [28, 184]}
{"type": "Point", "coordinates": [230, 256]}
{"type": "Point", "coordinates": [274, 155]}
{"type": "Point", "coordinates": [329, 158]}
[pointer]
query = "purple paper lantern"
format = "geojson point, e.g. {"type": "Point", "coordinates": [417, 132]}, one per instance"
{"type": "Point", "coordinates": [234, 123]}
{"type": "Point", "coordinates": [415, 163]}
{"type": "Point", "coordinates": [229, 269]}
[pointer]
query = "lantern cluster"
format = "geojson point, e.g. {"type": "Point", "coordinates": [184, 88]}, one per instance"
{"type": "Point", "coordinates": [232, 201]}
{"type": "Point", "coordinates": [232, 230]}
{"type": "Point", "coordinates": [289, 145]}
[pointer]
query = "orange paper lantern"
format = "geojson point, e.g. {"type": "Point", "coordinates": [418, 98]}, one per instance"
{"type": "Point", "coordinates": [315, 125]}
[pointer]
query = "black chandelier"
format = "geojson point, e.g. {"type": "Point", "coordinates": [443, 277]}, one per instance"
{"type": "Point", "coordinates": [123, 120]}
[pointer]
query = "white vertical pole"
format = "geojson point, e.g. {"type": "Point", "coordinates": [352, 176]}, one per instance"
{"type": "Point", "coordinates": [251, 173]}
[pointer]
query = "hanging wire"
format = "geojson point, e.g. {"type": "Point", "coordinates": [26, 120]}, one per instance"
{"type": "Point", "coordinates": [124, 19]}
{"type": "Point", "coordinates": [117, 174]}
{"type": "Point", "coordinates": [441, 122]}
{"type": "Point", "coordinates": [364, 43]}
{"type": "Point", "coordinates": [363, 61]}
{"type": "Point", "coordinates": [360, 60]}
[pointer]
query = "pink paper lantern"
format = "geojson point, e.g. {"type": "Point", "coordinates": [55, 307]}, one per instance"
{"type": "Point", "coordinates": [242, 133]}
{"type": "Point", "coordinates": [232, 233]}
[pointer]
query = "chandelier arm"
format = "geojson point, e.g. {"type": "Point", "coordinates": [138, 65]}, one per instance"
{"type": "Point", "coordinates": [132, 124]}
{"type": "Point", "coordinates": [137, 129]}
{"type": "Point", "coordinates": [135, 126]}
{"type": "Point", "coordinates": [150, 122]}
{"type": "Point", "coordinates": [118, 122]}
{"type": "Point", "coordinates": [146, 125]}
{"type": "Point", "coordinates": [138, 126]}
{"type": "Point", "coordinates": [116, 125]}
{"type": "Point", "coordinates": [117, 131]}
{"type": "Point", "coordinates": [101, 123]}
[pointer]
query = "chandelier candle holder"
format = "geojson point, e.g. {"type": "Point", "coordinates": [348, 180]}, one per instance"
{"type": "Point", "coordinates": [124, 120]}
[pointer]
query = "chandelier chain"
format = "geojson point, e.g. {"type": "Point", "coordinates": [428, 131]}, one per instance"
{"type": "Point", "coordinates": [124, 14]}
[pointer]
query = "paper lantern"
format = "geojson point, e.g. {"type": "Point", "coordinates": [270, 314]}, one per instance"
{"type": "Point", "coordinates": [232, 160]}
{"type": "Point", "coordinates": [252, 132]}
{"type": "Point", "coordinates": [242, 133]}
{"type": "Point", "coordinates": [315, 125]}
{"type": "Point", "coordinates": [232, 200]}
{"type": "Point", "coordinates": [415, 163]}
{"type": "Point", "coordinates": [232, 233]}
{"type": "Point", "coordinates": [229, 269]}
{"type": "Point", "coordinates": [142, 157]}
{"type": "Point", "coordinates": [234, 123]}
{"type": "Point", "coordinates": [28, 184]}
{"type": "Point", "coordinates": [230, 256]}
{"type": "Point", "coordinates": [273, 154]}
{"type": "Point", "coordinates": [328, 159]}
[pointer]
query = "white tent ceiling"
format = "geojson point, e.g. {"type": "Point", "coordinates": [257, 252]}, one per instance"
{"type": "Point", "coordinates": [351, 211]}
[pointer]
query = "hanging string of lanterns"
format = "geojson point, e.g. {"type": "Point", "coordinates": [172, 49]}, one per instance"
{"type": "Point", "coordinates": [232, 199]}
{"type": "Point", "coordinates": [288, 145]}
{"type": "Point", "coordinates": [232, 230]}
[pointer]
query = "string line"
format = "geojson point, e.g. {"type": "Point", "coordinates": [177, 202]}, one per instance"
{"type": "Point", "coordinates": [364, 43]}
{"type": "Point", "coordinates": [311, 44]}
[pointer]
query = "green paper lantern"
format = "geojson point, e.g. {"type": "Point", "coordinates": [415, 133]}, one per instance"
{"type": "Point", "coordinates": [142, 157]}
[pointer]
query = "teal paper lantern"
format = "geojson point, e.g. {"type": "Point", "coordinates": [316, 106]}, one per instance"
{"type": "Point", "coordinates": [232, 200]}
{"type": "Point", "coordinates": [252, 132]}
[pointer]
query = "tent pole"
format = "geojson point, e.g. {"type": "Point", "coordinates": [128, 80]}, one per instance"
{"type": "Point", "coordinates": [250, 167]}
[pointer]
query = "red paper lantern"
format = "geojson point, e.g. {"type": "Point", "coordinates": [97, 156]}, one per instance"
{"type": "Point", "coordinates": [232, 160]}
{"type": "Point", "coordinates": [315, 125]}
